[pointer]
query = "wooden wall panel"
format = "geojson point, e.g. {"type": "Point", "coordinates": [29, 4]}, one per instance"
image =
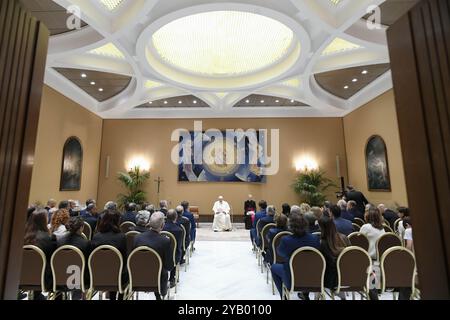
{"type": "Point", "coordinates": [420, 59]}
{"type": "Point", "coordinates": [23, 51]}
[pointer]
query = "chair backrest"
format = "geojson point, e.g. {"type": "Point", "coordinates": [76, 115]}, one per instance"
{"type": "Point", "coordinates": [317, 233]}
{"type": "Point", "coordinates": [359, 239]}
{"type": "Point", "coordinates": [398, 268]}
{"type": "Point", "coordinates": [144, 270]}
{"type": "Point", "coordinates": [356, 227]}
{"type": "Point", "coordinates": [354, 266]}
{"type": "Point", "coordinates": [62, 262]}
{"type": "Point", "coordinates": [130, 240]}
{"type": "Point", "coordinates": [396, 223]}
{"type": "Point", "coordinates": [387, 227]}
{"type": "Point", "coordinates": [127, 226]}
{"type": "Point", "coordinates": [87, 230]}
{"type": "Point", "coordinates": [386, 241]}
{"type": "Point", "coordinates": [173, 245]}
{"type": "Point", "coordinates": [360, 222]}
{"type": "Point", "coordinates": [276, 242]}
{"type": "Point", "coordinates": [193, 209]}
{"type": "Point", "coordinates": [307, 267]}
{"type": "Point", "coordinates": [184, 237]}
{"type": "Point", "coordinates": [33, 268]}
{"type": "Point", "coordinates": [105, 269]}
{"type": "Point", "coordinates": [257, 228]}
{"type": "Point", "coordinates": [264, 232]}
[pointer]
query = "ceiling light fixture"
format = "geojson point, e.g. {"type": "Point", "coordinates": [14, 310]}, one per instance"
{"type": "Point", "coordinates": [277, 101]}
{"type": "Point", "coordinates": [247, 101]}
{"type": "Point", "coordinates": [195, 101]}
{"type": "Point", "coordinates": [355, 80]}
{"type": "Point", "coordinates": [151, 102]}
{"type": "Point", "coordinates": [84, 75]}
{"type": "Point", "coordinates": [180, 102]}
{"type": "Point", "coordinates": [100, 89]}
{"type": "Point", "coordinates": [223, 43]}
{"type": "Point", "coordinates": [364, 72]}
{"type": "Point", "coordinates": [346, 87]}
{"type": "Point", "coordinates": [92, 83]}
{"type": "Point", "coordinates": [292, 101]}
{"type": "Point", "coordinates": [262, 101]}
{"type": "Point", "coordinates": [165, 102]}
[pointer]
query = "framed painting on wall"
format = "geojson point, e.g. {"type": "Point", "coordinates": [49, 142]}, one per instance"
{"type": "Point", "coordinates": [72, 163]}
{"type": "Point", "coordinates": [377, 165]}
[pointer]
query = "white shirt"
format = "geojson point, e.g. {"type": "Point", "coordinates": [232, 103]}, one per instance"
{"type": "Point", "coordinates": [408, 234]}
{"type": "Point", "coordinates": [220, 207]}
{"type": "Point", "coordinates": [373, 234]}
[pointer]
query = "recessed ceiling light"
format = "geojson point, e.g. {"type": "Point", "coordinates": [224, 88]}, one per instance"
{"type": "Point", "coordinates": [247, 101]}
{"type": "Point", "coordinates": [100, 89]}
{"type": "Point", "coordinates": [365, 72]}
{"type": "Point", "coordinates": [262, 101]}
{"type": "Point", "coordinates": [151, 102]}
{"type": "Point", "coordinates": [165, 102]}
{"type": "Point", "coordinates": [84, 75]}
{"type": "Point", "coordinates": [355, 80]}
{"type": "Point", "coordinates": [292, 101]}
{"type": "Point", "coordinates": [195, 101]}
{"type": "Point", "coordinates": [93, 83]}
{"type": "Point", "coordinates": [346, 87]}
{"type": "Point", "coordinates": [277, 101]}
{"type": "Point", "coordinates": [180, 102]}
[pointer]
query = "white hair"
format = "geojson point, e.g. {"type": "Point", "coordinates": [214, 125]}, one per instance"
{"type": "Point", "coordinates": [157, 221]}
{"type": "Point", "coordinates": [342, 204]}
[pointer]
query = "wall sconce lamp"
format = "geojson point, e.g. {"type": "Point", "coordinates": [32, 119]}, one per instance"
{"type": "Point", "coordinates": [138, 162]}
{"type": "Point", "coordinates": [305, 164]}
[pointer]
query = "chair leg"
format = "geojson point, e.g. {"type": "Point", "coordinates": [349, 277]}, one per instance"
{"type": "Point", "coordinates": [273, 287]}
{"type": "Point", "coordinates": [267, 277]}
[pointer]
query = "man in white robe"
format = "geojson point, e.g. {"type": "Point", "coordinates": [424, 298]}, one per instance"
{"type": "Point", "coordinates": [222, 220]}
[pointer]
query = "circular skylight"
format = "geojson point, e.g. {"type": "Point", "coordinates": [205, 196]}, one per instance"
{"type": "Point", "coordinates": [223, 43]}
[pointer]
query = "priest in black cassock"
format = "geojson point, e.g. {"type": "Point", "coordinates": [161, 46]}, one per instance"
{"type": "Point", "coordinates": [249, 206]}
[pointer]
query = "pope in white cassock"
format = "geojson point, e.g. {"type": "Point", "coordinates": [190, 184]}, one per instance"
{"type": "Point", "coordinates": [222, 220]}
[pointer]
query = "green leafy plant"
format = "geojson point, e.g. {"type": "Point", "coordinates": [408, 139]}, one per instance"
{"type": "Point", "coordinates": [311, 185]}
{"type": "Point", "coordinates": [133, 181]}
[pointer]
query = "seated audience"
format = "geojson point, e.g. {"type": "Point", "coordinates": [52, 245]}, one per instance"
{"type": "Point", "coordinates": [110, 205]}
{"type": "Point", "coordinates": [389, 216]}
{"type": "Point", "coordinates": [191, 218]}
{"type": "Point", "coordinates": [286, 209]}
{"type": "Point", "coordinates": [408, 237]}
{"type": "Point", "coordinates": [109, 234]}
{"type": "Point", "coordinates": [260, 214]}
{"type": "Point", "coordinates": [142, 219]}
{"type": "Point", "coordinates": [90, 216]}
{"type": "Point", "coordinates": [353, 211]}
{"type": "Point", "coordinates": [88, 202]}
{"type": "Point", "coordinates": [373, 229]}
{"type": "Point", "coordinates": [183, 221]}
{"type": "Point", "coordinates": [163, 207]}
{"type": "Point", "coordinates": [37, 234]}
{"type": "Point", "coordinates": [403, 213]}
{"type": "Point", "coordinates": [304, 208]}
{"type": "Point", "coordinates": [300, 238]}
{"type": "Point", "coordinates": [317, 212]}
{"type": "Point", "coordinates": [150, 208]}
{"type": "Point", "coordinates": [342, 204]}
{"type": "Point", "coordinates": [161, 244]}
{"type": "Point", "coordinates": [312, 222]}
{"type": "Point", "coordinates": [265, 220]}
{"type": "Point", "coordinates": [342, 225]}
{"type": "Point", "coordinates": [59, 221]}
{"type": "Point", "coordinates": [51, 208]}
{"type": "Point", "coordinates": [129, 214]}
{"type": "Point", "coordinates": [172, 227]}
{"type": "Point", "coordinates": [281, 222]}
{"type": "Point", "coordinates": [331, 245]}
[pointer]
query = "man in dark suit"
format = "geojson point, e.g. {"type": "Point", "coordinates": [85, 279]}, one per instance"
{"type": "Point", "coordinates": [249, 205]}
{"type": "Point", "coordinates": [388, 215]}
{"type": "Point", "coordinates": [90, 216]}
{"type": "Point", "coordinates": [129, 214]}
{"type": "Point", "coordinates": [260, 214]}
{"type": "Point", "coordinates": [161, 244]}
{"type": "Point", "coordinates": [172, 227]}
{"type": "Point", "coordinates": [264, 221]}
{"type": "Point", "coordinates": [88, 202]}
{"type": "Point", "coordinates": [191, 218]}
{"type": "Point", "coordinates": [342, 225]}
{"type": "Point", "coordinates": [358, 197]}
{"type": "Point", "coordinates": [353, 210]}
{"type": "Point", "coordinates": [183, 221]}
{"type": "Point", "coordinates": [163, 207]}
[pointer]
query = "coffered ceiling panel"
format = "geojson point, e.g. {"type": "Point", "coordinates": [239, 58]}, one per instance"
{"type": "Point", "coordinates": [258, 100]}
{"type": "Point", "coordinates": [99, 85]}
{"type": "Point", "coordinates": [188, 101]}
{"type": "Point", "coordinates": [345, 83]}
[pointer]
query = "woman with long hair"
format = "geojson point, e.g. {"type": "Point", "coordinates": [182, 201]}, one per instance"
{"type": "Point", "coordinates": [331, 245]}
{"type": "Point", "coordinates": [37, 234]}
{"type": "Point", "coordinates": [373, 229]}
{"type": "Point", "coordinates": [59, 221]}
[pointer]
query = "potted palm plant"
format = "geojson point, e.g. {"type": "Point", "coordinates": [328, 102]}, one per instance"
{"type": "Point", "coordinates": [311, 186]}
{"type": "Point", "coordinates": [133, 181]}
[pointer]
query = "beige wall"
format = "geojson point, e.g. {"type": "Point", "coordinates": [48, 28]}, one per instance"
{"type": "Point", "coordinates": [322, 138]}
{"type": "Point", "coordinates": [377, 117]}
{"type": "Point", "coordinates": [61, 118]}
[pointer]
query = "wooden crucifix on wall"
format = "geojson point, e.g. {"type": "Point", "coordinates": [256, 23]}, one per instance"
{"type": "Point", "coordinates": [158, 181]}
